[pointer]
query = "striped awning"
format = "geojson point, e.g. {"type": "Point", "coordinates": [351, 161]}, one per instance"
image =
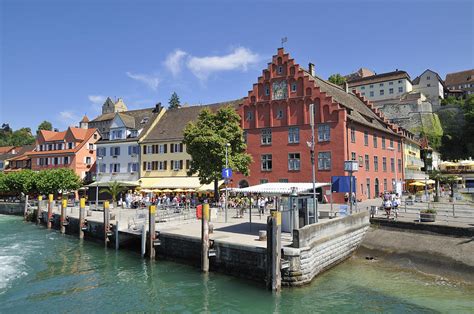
{"type": "Point", "coordinates": [279, 188]}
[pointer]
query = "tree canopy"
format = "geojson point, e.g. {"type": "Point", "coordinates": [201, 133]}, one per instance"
{"type": "Point", "coordinates": [45, 125]}
{"type": "Point", "coordinates": [174, 101]}
{"type": "Point", "coordinates": [206, 140]}
{"type": "Point", "coordinates": [20, 137]}
{"type": "Point", "coordinates": [337, 79]}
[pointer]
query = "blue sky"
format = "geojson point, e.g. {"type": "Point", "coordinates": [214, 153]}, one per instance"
{"type": "Point", "coordinates": [59, 59]}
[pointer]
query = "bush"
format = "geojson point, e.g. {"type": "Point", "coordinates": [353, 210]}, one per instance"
{"type": "Point", "coordinates": [428, 211]}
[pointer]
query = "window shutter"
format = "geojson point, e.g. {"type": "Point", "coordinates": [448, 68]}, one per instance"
{"type": "Point", "coordinates": [111, 151]}
{"type": "Point", "coordinates": [172, 148]}
{"type": "Point", "coordinates": [128, 166]}
{"type": "Point", "coordinates": [144, 165]}
{"type": "Point", "coordinates": [180, 164]}
{"type": "Point", "coordinates": [188, 163]}
{"type": "Point", "coordinates": [166, 148]}
{"type": "Point", "coordinates": [180, 147]}
{"type": "Point", "coordinates": [171, 165]}
{"type": "Point", "coordinates": [118, 151]}
{"type": "Point", "coordinates": [129, 150]}
{"type": "Point", "coordinates": [144, 151]}
{"type": "Point", "coordinates": [111, 168]}
{"type": "Point", "coordinates": [165, 165]}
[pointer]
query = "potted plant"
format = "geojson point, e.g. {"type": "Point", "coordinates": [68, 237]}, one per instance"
{"type": "Point", "coordinates": [409, 200]}
{"type": "Point", "coordinates": [427, 215]}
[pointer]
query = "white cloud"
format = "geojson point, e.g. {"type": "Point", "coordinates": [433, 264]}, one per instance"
{"type": "Point", "coordinates": [97, 99]}
{"type": "Point", "coordinates": [174, 61]}
{"type": "Point", "coordinates": [239, 59]}
{"type": "Point", "coordinates": [68, 115]}
{"type": "Point", "coordinates": [150, 80]}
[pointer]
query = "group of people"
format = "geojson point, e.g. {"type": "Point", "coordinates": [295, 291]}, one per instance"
{"type": "Point", "coordinates": [390, 202]}
{"type": "Point", "coordinates": [137, 200]}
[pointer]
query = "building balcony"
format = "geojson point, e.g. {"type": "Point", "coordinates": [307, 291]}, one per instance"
{"type": "Point", "coordinates": [414, 162]}
{"type": "Point", "coordinates": [411, 174]}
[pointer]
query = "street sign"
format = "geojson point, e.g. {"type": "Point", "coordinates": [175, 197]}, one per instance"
{"type": "Point", "coordinates": [351, 165]}
{"type": "Point", "coordinates": [226, 173]}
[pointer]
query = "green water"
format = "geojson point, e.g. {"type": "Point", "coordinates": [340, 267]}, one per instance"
{"type": "Point", "coordinates": [42, 271]}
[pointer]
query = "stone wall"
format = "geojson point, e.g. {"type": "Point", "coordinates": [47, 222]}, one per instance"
{"type": "Point", "coordinates": [16, 209]}
{"type": "Point", "coordinates": [318, 247]}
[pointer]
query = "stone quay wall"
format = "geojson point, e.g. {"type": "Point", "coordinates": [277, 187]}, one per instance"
{"type": "Point", "coordinates": [16, 209]}
{"type": "Point", "coordinates": [319, 247]}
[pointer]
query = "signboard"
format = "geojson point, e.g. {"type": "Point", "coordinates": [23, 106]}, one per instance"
{"type": "Point", "coordinates": [226, 173]}
{"type": "Point", "coordinates": [351, 165]}
{"type": "Point", "coordinates": [341, 184]}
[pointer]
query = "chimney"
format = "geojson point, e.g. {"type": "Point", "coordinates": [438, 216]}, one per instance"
{"type": "Point", "coordinates": [311, 69]}
{"type": "Point", "coordinates": [346, 87]}
{"type": "Point", "coordinates": [157, 108]}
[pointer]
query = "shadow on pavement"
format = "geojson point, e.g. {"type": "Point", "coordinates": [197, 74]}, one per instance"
{"type": "Point", "coordinates": [244, 228]}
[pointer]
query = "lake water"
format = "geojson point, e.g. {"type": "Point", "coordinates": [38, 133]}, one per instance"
{"type": "Point", "coordinates": [43, 271]}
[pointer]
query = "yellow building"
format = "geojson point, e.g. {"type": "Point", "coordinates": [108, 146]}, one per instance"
{"type": "Point", "coordinates": [164, 160]}
{"type": "Point", "coordinates": [412, 158]}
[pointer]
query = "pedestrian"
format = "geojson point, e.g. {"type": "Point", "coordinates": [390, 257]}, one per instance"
{"type": "Point", "coordinates": [346, 197]}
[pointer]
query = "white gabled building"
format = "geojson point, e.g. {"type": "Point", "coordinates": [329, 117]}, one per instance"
{"type": "Point", "coordinates": [431, 85]}
{"type": "Point", "coordinates": [118, 156]}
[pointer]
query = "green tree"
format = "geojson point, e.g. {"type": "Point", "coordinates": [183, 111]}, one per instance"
{"type": "Point", "coordinates": [45, 125]}
{"type": "Point", "coordinates": [206, 140]}
{"type": "Point", "coordinates": [174, 101]}
{"type": "Point", "coordinates": [20, 182]}
{"type": "Point", "coordinates": [113, 189]}
{"type": "Point", "coordinates": [337, 79]}
{"type": "Point", "coordinates": [21, 137]}
{"type": "Point", "coordinates": [451, 180]}
{"type": "Point", "coordinates": [57, 181]}
{"type": "Point", "coordinates": [3, 186]}
{"type": "Point", "coordinates": [437, 177]}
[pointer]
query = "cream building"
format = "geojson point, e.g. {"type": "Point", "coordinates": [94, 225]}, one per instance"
{"type": "Point", "coordinates": [430, 84]}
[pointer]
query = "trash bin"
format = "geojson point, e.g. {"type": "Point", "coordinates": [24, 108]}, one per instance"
{"type": "Point", "coordinates": [199, 211]}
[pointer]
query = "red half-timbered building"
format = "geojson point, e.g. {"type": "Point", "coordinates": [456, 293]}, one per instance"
{"type": "Point", "coordinates": [276, 122]}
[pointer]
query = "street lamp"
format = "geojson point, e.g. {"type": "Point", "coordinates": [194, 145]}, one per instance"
{"type": "Point", "coordinates": [395, 163]}
{"type": "Point", "coordinates": [226, 180]}
{"type": "Point", "coordinates": [313, 169]}
{"type": "Point", "coordinates": [97, 184]}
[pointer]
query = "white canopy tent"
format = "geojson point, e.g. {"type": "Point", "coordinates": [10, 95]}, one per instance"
{"type": "Point", "coordinates": [279, 188]}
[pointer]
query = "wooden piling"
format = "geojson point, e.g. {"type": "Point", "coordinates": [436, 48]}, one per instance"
{"type": "Point", "coordinates": [50, 210]}
{"type": "Point", "coordinates": [38, 210]}
{"type": "Point", "coordinates": [274, 251]}
{"type": "Point", "coordinates": [151, 231]}
{"type": "Point", "coordinates": [25, 211]}
{"type": "Point", "coordinates": [82, 206]}
{"type": "Point", "coordinates": [106, 223]}
{"type": "Point", "coordinates": [116, 235]}
{"type": "Point", "coordinates": [205, 238]}
{"type": "Point", "coordinates": [62, 219]}
{"type": "Point", "coordinates": [143, 248]}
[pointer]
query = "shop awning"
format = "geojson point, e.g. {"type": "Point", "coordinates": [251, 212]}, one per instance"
{"type": "Point", "coordinates": [106, 183]}
{"type": "Point", "coordinates": [280, 188]}
{"type": "Point", "coordinates": [185, 183]}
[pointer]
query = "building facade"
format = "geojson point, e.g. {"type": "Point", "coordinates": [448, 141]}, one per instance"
{"type": "Point", "coordinates": [102, 122]}
{"type": "Point", "coordinates": [383, 86]}
{"type": "Point", "coordinates": [430, 84]}
{"type": "Point", "coordinates": [276, 121]}
{"type": "Point", "coordinates": [460, 83]}
{"type": "Point", "coordinates": [74, 148]}
{"type": "Point", "coordinates": [412, 158]}
{"type": "Point", "coordinates": [118, 155]}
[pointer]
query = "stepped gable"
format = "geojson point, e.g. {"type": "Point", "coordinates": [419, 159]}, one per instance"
{"type": "Point", "coordinates": [171, 125]}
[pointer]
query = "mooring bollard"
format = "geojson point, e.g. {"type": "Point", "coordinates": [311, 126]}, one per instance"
{"type": "Point", "coordinates": [106, 223]}
{"type": "Point", "coordinates": [151, 231]}
{"type": "Point", "coordinates": [116, 235]}
{"type": "Point", "coordinates": [50, 210]}
{"type": "Point", "coordinates": [143, 240]}
{"type": "Point", "coordinates": [25, 210]}
{"type": "Point", "coordinates": [38, 210]}
{"type": "Point", "coordinates": [82, 206]}
{"type": "Point", "coordinates": [274, 251]}
{"type": "Point", "coordinates": [63, 216]}
{"type": "Point", "coordinates": [205, 238]}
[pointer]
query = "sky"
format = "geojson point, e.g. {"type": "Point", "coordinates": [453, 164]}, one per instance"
{"type": "Point", "coordinates": [59, 60]}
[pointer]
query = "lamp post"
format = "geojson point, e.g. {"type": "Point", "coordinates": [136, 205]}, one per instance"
{"type": "Point", "coordinates": [97, 184]}
{"type": "Point", "coordinates": [226, 180]}
{"type": "Point", "coordinates": [313, 168]}
{"type": "Point", "coordinates": [394, 166]}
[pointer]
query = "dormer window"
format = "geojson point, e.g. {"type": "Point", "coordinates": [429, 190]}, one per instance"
{"type": "Point", "coordinates": [144, 120]}
{"type": "Point", "coordinates": [133, 133]}
{"type": "Point", "coordinates": [280, 69]}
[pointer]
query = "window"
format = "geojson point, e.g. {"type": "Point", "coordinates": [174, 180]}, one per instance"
{"type": "Point", "coordinates": [428, 85]}
{"type": "Point", "coordinates": [267, 91]}
{"type": "Point", "coordinates": [162, 165]}
{"type": "Point", "coordinates": [115, 151]}
{"type": "Point", "coordinates": [390, 83]}
{"type": "Point", "coordinates": [392, 164]}
{"type": "Point", "coordinates": [399, 146]}
{"type": "Point", "coordinates": [149, 149]}
{"type": "Point", "coordinates": [283, 180]}
{"type": "Point", "coordinates": [249, 116]}
{"type": "Point", "coordinates": [385, 184]}
{"type": "Point", "coordinates": [102, 167]}
{"type": "Point", "coordinates": [391, 143]}
{"type": "Point", "coordinates": [400, 89]}
{"type": "Point", "coordinates": [101, 152]}
{"type": "Point", "coordinates": [132, 167]}
{"type": "Point", "coordinates": [353, 134]}
{"type": "Point", "coordinates": [162, 148]}
{"type": "Point", "coordinates": [324, 132]}
{"type": "Point", "coordinates": [244, 133]}
{"type": "Point", "coordinates": [371, 86]}
{"type": "Point", "coordinates": [399, 81]}
{"type": "Point", "coordinates": [324, 161]}
{"type": "Point", "coordinates": [279, 115]}
{"type": "Point", "coordinates": [383, 142]}
{"type": "Point", "coordinates": [353, 156]}
{"type": "Point", "coordinates": [390, 91]}
{"type": "Point", "coordinates": [366, 138]}
{"type": "Point", "coordinates": [428, 78]}
{"type": "Point", "coordinates": [117, 134]}
{"type": "Point", "coordinates": [70, 145]}
{"type": "Point", "coordinates": [88, 160]}
{"type": "Point", "coordinates": [114, 168]}
{"type": "Point", "coordinates": [293, 87]}
{"type": "Point", "coordinates": [133, 149]}
{"type": "Point", "coordinates": [382, 92]}
{"type": "Point", "coordinates": [361, 161]}
{"type": "Point", "coordinates": [376, 163]}
{"type": "Point", "coordinates": [293, 135]}
{"type": "Point", "coordinates": [363, 87]}
{"type": "Point", "coordinates": [381, 84]}
{"type": "Point", "coordinates": [363, 94]}
{"type": "Point", "coordinates": [176, 147]}
{"type": "Point", "coordinates": [294, 161]}
{"type": "Point", "coordinates": [176, 165]}
{"type": "Point", "coordinates": [280, 69]}
{"type": "Point", "coordinates": [262, 181]}
{"type": "Point", "coordinates": [266, 136]}
{"type": "Point", "coordinates": [384, 164]}
{"type": "Point", "coordinates": [371, 94]}
{"type": "Point", "coordinates": [266, 162]}
{"type": "Point", "coordinates": [66, 160]}
{"type": "Point", "coordinates": [133, 133]}
{"type": "Point", "coordinates": [367, 163]}
{"type": "Point", "coordinates": [399, 165]}
{"type": "Point", "coordinates": [375, 141]}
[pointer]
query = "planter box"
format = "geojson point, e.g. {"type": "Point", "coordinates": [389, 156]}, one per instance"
{"type": "Point", "coordinates": [427, 217]}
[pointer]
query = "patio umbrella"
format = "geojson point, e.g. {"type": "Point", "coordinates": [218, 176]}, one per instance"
{"type": "Point", "coordinates": [156, 191]}
{"type": "Point", "coordinates": [417, 183]}
{"type": "Point", "coordinates": [166, 191]}
{"type": "Point", "coordinates": [190, 190]}
{"type": "Point", "coordinates": [178, 190]}
{"type": "Point", "coordinates": [146, 191]}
